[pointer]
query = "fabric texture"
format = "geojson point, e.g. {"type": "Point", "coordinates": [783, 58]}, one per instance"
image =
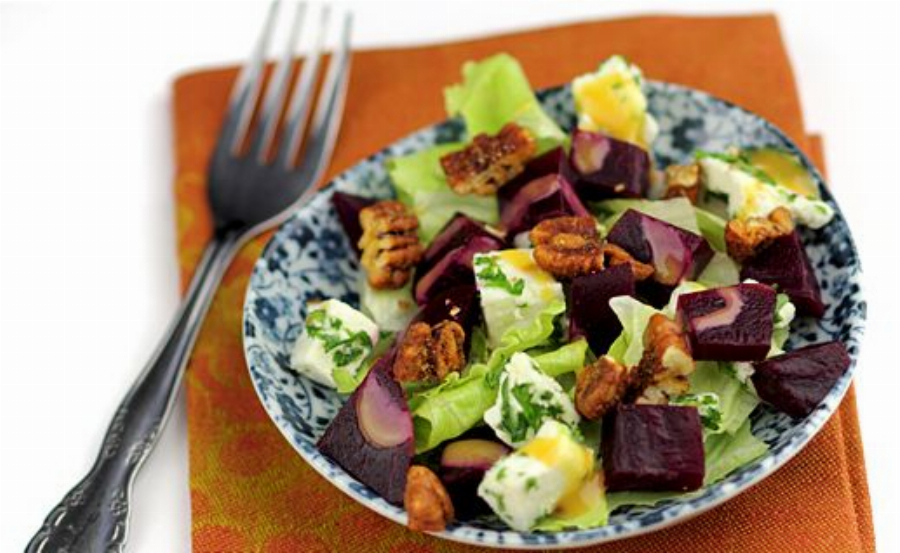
{"type": "Point", "coordinates": [251, 492]}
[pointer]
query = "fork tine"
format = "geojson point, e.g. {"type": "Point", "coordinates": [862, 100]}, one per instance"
{"type": "Point", "coordinates": [246, 90]}
{"type": "Point", "coordinates": [277, 91]}
{"type": "Point", "coordinates": [327, 119]}
{"type": "Point", "coordinates": [301, 99]}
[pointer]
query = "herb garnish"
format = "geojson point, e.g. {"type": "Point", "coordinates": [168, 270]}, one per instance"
{"type": "Point", "coordinates": [344, 346]}
{"type": "Point", "coordinates": [490, 273]}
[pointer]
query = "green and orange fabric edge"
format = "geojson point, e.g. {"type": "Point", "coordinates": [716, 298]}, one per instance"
{"type": "Point", "coordinates": [251, 492]}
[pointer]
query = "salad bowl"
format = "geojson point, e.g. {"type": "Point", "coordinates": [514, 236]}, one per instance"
{"type": "Point", "coordinates": [309, 258]}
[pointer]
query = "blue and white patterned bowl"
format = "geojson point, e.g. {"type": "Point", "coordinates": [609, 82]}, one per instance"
{"type": "Point", "coordinates": [310, 258]}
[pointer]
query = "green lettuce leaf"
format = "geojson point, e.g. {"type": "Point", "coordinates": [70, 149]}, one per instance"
{"type": "Point", "coordinates": [569, 358]}
{"type": "Point", "coordinates": [781, 331]}
{"type": "Point", "coordinates": [596, 516]}
{"type": "Point", "coordinates": [421, 184]}
{"type": "Point", "coordinates": [494, 92]}
{"type": "Point", "coordinates": [736, 401]}
{"type": "Point", "coordinates": [712, 227]}
{"type": "Point", "coordinates": [675, 211]}
{"type": "Point", "coordinates": [727, 452]}
{"type": "Point", "coordinates": [721, 271]}
{"type": "Point", "coordinates": [634, 316]}
{"type": "Point", "coordinates": [459, 402]}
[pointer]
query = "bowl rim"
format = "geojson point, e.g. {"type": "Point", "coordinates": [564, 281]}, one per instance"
{"type": "Point", "coordinates": [799, 436]}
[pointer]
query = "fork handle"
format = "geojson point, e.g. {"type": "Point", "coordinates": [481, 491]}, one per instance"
{"type": "Point", "coordinates": [93, 516]}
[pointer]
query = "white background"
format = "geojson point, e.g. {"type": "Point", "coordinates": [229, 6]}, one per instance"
{"type": "Point", "coordinates": [88, 277]}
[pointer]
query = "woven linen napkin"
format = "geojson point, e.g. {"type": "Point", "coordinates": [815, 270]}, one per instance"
{"type": "Point", "coordinates": [251, 492]}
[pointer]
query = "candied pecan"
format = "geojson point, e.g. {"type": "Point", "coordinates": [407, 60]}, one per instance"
{"type": "Point", "coordinates": [489, 162]}
{"type": "Point", "coordinates": [617, 256]}
{"type": "Point", "coordinates": [683, 180]}
{"type": "Point", "coordinates": [428, 505]}
{"type": "Point", "coordinates": [429, 353]}
{"type": "Point", "coordinates": [745, 239]}
{"type": "Point", "coordinates": [567, 247]}
{"type": "Point", "coordinates": [666, 362]}
{"type": "Point", "coordinates": [600, 386]}
{"type": "Point", "coordinates": [390, 244]}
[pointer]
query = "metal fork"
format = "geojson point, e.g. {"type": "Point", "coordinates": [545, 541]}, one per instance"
{"type": "Point", "coordinates": [248, 193]}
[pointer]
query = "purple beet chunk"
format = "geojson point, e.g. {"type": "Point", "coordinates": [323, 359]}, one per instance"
{"type": "Point", "coordinates": [590, 315]}
{"type": "Point", "coordinates": [549, 163]}
{"type": "Point", "coordinates": [796, 382]}
{"type": "Point", "coordinates": [786, 264]}
{"type": "Point", "coordinates": [371, 437]}
{"type": "Point", "coordinates": [455, 269]}
{"type": "Point", "coordinates": [601, 167]}
{"type": "Point", "coordinates": [652, 448]}
{"type": "Point", "coordinates": [676, 254]}
{"type": "Point", "coordinates": [733, 323]}
{"type": "Point", "coordinates": [348, 207]}
{"type": "Point", "coordinates": [458, 232]}
{"type": "Point", "coordinates": [544, 198]}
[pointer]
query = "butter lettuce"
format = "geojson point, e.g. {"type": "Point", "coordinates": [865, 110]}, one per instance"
{"type": "Point", "coordinates": [596, 516]}
{"type": "Point", "coordinates": [679, 212]}
{"type": "Point", "coordinates": [459, 402]}
{"type": "Point", "coordinates": [634, 316]}
{"type": "Point", "coordinates": [712, 227]}
{"type": "Point", "coordinates": [736, 401]}
{"type": "Point", "coordinates": [421, 184]}
{"type": "Point", "coordinates": [568, 358]}
{"type": "Point", "coordinates": [721, 271]}
{"type": "Point", "coordinates": [494, 92]}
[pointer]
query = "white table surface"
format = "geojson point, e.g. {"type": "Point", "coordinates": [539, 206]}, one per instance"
{"type": "Point", "coordinates": [88, 275]}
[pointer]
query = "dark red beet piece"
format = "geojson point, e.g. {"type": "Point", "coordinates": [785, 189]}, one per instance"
{"type": "Point", "coordinates": [458, 232]}
{"type": "Point", "coordinates": [786, 264]}
{"type": "Point", "coordinates": [676, 254]}
{"type": "Point", "coordinates": [652, 448]}
{"type": "Point", "coordinates": [796, 382]}
{"type": "Point", "coordinates": [544, 198]}
{"type": "Point", "coordinates": [463, 464]}
{"type": "Point", "coordinates": [371, 437]}
{"type": "Point", "coordinates": [587, 298]}
{"type": "Point", "coordinates": [455, 269]}
{"type": "Point", "coordinates": [348, 207]}
{"type": "Point", "coordinates": [548, 163]}
{"type": "Point", "coordinates": [601, 167]}
{"type": "Point", "coordinates": [733, 323]}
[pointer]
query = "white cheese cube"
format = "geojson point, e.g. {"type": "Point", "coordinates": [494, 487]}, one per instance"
{"type": "Point", "coordinates": [336, 338]}
{"type": "Point", "coordinates": [750, 196]}
{"type": "Point", "coordinates": [522, 490]}
{"type": "Point", "coordinates": [526, 400]}
{"type": "Point", "coordinates": [514, 290]}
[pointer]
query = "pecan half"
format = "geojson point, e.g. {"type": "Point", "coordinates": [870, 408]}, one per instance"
{"type": "Point", "coordinates": [617, 256]}
{"type": "Point", "coordinates": [429, 353]}
{"type": "Point", "coordinates": [745, 239]}
{"type": "Point", "coordinates": [389, 243]}
{"type": "Point", "coordinates": [489, 162]}
{"type": "Point", "coordinates": [683, 180]}
{"type": "Point", "coordinates": [428, 505]}
{"type": "Point", "coordinates": [567, 247]}
{"type": "Point", "coordinates": [666, 362]}
{"type": "Point", "coordinates": [600, 386]}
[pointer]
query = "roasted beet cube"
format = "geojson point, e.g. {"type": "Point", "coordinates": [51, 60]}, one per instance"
{"type": "Point", "coordinates": [458, 232]}
{"type": "Point", "coordinates": [653, 448]}
{"type": "Point", "coordinates": [676, 254]}
{"type": "Point", "coordinates": [601, 167]}
{"type": "Point", "coordinates": [729, 324]}
{"type": "Point", "coordinates": [796, 382]}
{"type": "Point", "coordinates": [371, 437]}
{"type": "Point", "coordinates": [463, 464]}
{"type": "Point", "coordinates": [544, 198]}
{"type": "Point", "coordinates": [454, 269]}
{"type": "Point", "coordinates": [548, 163]}
{"type": "Point", "coordinates": [786, 264]}
{"type": "Point", "coordinates": [587, 299]}
{"type": "Point", "coordinates": [348, 207]}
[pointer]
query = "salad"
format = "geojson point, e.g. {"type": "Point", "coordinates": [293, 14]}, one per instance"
{"type": "Point", "coordinates": [551, 326]}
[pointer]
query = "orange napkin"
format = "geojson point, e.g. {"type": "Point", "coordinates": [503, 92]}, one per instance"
{"type": "Point", "coordinates": [251, 492]}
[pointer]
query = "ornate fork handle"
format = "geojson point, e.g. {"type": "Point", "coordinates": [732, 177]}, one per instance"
{"type": "Point", "coordinates": [93, 516]}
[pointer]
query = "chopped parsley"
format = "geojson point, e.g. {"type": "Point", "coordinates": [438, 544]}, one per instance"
{"type": "Point", "coordinates": [531, 483]}
{"type": "Point", "coordinates": [490, 273]}
{"type": "Point", "coordinates": [739, 160]}
{"type": "Point", "coordinates": [345, 347]}
{"type": "Point", "coordinates": [526, 419]}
